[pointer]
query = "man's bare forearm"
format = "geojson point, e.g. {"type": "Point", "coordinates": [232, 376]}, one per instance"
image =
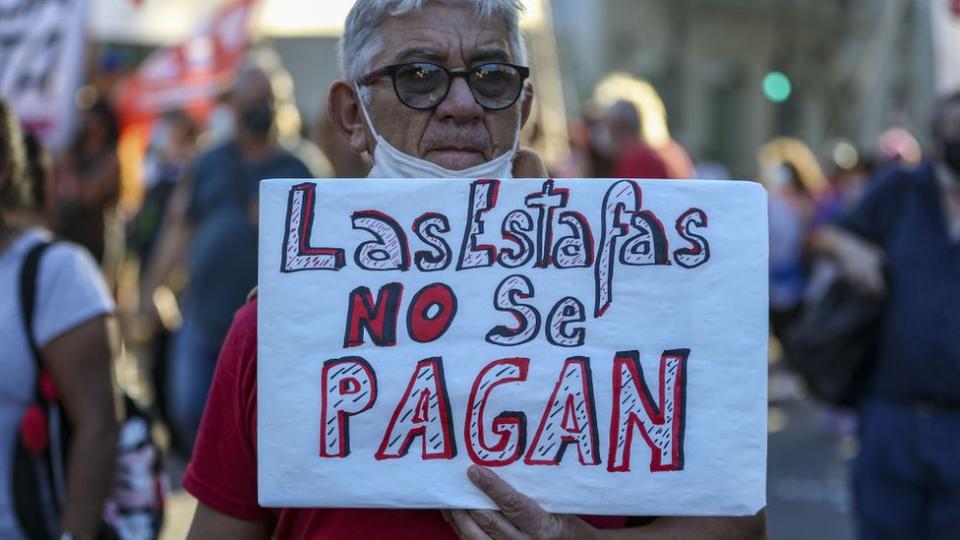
{"type": "Point", "coordinates": [174, 238]}
{"type": "Point", "coordinates": [832, 241]}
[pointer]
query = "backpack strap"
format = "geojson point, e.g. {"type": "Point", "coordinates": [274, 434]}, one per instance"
{"type": "Point", "coordinates": [28, 297]}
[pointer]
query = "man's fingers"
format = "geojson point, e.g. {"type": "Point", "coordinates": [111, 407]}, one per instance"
{"type": "Point", "coordinates": [464, 525]}
{"type": "Point", "coordinates": [521, 510]}
{"type": "Point", "coordinates": [527, 164]}
{"type": "Point", "coordinates": [496, 525]}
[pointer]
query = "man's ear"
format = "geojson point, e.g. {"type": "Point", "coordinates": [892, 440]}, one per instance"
{"type": "Point", "coordinates": [526, 104]}
{"type": "Point", "coordinates": [343, 109]}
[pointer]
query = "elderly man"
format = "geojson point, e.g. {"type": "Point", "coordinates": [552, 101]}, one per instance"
{"type": "Point", "coordinates": [432, 88]}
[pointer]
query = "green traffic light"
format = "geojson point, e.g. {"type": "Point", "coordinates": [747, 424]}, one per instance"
{"type": "Point", "coordinates": [776, 87]}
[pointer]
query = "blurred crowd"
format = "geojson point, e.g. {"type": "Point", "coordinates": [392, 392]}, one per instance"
{"type": "Point", "coordinates": [182, 259]}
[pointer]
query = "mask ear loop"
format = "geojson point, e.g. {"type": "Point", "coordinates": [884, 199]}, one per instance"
{"type": "Point", "coordinates": [361, 98]}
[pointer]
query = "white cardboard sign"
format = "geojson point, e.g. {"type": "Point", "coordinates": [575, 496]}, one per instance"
{"type": "Point", "coordinates": [41, 63]}
{"type": "Point", "coordinates": [601, 344]}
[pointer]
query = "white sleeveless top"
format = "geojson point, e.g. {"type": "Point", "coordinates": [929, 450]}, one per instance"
{"type": "Point", "coordinates": [70, 291]}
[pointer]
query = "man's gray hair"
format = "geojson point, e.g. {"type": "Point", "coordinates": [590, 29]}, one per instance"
{"type": "Point", "coordinates": [361, 42]}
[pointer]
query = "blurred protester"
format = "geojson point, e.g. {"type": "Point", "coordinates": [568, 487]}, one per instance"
{"type": "Point", "coordinates": [679, 165]}
{"type": "Point", "coordinates": [707, 167]}
{"type": "Point", "coordinates": [899, 146]}
{"type": "Point", "coordinates": [599, 154]}
{"type": "Point", "coordinates": [794, 182]}
{"type": "Point", "coordinates": [634, 159]}
{"type": "Point", "coordinates": [846, 187]}
{"type": "Point", "coordinates": [711, 170]}
{"type": "Point", "coordinates": [88, 185]}
{"type": "Point", "coordinates": [212, 219]}
{"type": "Point", "coordinates": [903, 241]}
{"type": "Point", "coordinates": [790, 213]}
{"type": "Point", "coordinates": [655, 131]}
{"type": "Point", "coordinates": [40, 173]}
{"type": "Point", "coordinates": [577, 163]}
{"type": "Point", "coordinates": [73, 331]}
{"type": "Point", "coordinates": [287, 120]}
{"type": "Point", "coordinates": [591, 152]}
{"type": "Point", "coordinates": [172, 148]}
{"type": "Point", "coordinates": [220, 123]}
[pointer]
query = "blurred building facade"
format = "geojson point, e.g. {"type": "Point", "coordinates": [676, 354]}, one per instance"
{"type": "Point", "coordinates": [857, 67]}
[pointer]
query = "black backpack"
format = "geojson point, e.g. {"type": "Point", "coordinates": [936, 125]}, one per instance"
{"type": "Point", "coordinates": [134, 508]}
{"type": "Point", "coordinates": [833, 344]}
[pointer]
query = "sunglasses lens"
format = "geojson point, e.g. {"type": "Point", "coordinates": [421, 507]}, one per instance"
{"type": "Point", "coordinates": [496, 86]}
{"type": "Point", "coordinates": [421, 85]}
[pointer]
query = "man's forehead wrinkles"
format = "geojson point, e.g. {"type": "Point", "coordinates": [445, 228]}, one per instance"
{"type": "Point", "coordinates": [420, 52]}
{"type": "Point", "coordinates": [488, 51]}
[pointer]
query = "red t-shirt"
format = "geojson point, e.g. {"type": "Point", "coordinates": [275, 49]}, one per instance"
{"type": "Point", "coordinates": [640, 161]}
{"type": "Point", "coordinates": [223, 471]}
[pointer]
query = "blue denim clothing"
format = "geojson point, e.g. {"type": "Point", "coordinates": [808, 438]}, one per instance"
{"type": "Point", "coordinates": [190, 372]}
{"type": "Point", "coordinates": [919, 350]}
{"type": "Point", "coordinates": [906, 479]}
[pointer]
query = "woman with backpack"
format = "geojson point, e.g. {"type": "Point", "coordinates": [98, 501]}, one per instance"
{"type": "Point", "coordinates": [73, 334]}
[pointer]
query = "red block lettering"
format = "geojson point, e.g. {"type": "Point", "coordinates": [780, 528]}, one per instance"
{"type": "Point", "coordinates": [661, 424]}
{"type": "Point", "coordinates": [423, 411]}
{"type": "Point", "coordinates": [568, 418]}
{"type": "Point", "coordinates": [423, 326]}
{"type": "Point", "coordinates": [297, 253]}
{"type": "Point", "coordinates": [349, 387]}
{"type": "Point", "coordinates": [508, 429]}
{"type": "Point", "coordinates": [379, 320]}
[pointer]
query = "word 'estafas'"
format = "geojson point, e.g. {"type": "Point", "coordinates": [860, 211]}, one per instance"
{"type": "Point", "coordinates": [497, 438]}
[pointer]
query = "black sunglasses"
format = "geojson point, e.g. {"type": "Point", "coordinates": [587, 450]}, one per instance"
{"type": "Point", "coordinates": [424, 85]}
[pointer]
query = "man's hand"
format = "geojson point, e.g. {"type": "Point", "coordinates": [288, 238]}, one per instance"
{"type": "Point", "coordinates": [519, 516]}
{"type": "Point", "coordinates": [522, 518]}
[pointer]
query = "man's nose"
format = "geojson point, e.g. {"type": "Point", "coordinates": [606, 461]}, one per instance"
{"type": "Point", "coordinates": [460, 105]}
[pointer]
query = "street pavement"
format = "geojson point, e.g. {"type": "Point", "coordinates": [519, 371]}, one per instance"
{"type": "Point", "coordinates": [809, 454]}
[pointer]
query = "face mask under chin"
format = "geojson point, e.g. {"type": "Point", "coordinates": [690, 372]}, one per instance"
{"type": "Point", "coordinates": [391, 162]}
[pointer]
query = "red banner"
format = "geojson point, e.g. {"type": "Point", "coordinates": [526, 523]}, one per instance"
{"type": "Point", "coordinates": [191, 74]}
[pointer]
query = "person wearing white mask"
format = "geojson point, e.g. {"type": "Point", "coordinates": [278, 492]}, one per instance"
{"type": "Point", "coordinates": [432, 105]}
{"type": "Point", "coordinates": [432, 88]}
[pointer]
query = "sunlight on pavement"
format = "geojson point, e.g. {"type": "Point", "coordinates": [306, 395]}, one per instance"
{"type": "Point", "coordinates": [179, 513]}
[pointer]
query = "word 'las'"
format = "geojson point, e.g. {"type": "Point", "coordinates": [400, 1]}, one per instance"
{"type": "Point", "coordinates": [629, 235]}
{"type": "Point", "coordinates": [498, 438]}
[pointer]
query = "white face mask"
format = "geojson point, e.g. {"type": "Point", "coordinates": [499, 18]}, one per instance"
{"type": "Point", "coordinates": [221, 123]}
{"type": "Point", "coordinates": [390, 162]}
{"type": "Point", "coordinates": [778, 176]}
